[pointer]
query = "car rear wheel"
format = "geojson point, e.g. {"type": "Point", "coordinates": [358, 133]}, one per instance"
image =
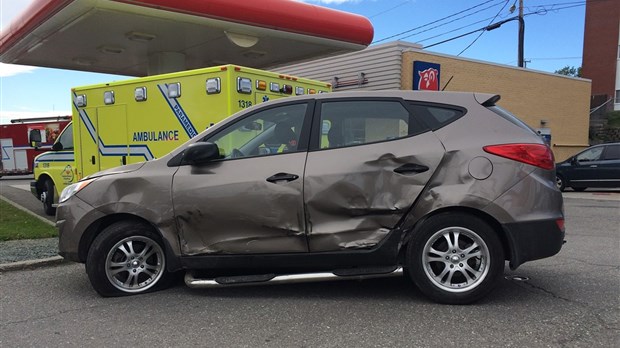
{"type": "Point", "coordinates": [47, 197]}
{"type": "Point", "coordinates": [455, 258]}
{"type": "Point", "coordinates": [126, 258]}
{"type": "Point", "coordinates": [559, 182]}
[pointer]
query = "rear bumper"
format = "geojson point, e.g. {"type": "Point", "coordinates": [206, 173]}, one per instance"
{"type": "Point", "coordinates": [533, 240]}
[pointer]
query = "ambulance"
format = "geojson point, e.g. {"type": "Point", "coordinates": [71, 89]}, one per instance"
{"type": "Point", "coordinates": [142, 119]}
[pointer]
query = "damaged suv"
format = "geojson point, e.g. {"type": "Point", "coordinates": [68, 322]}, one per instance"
{"type": "Point", "coordinates": [443, 186]}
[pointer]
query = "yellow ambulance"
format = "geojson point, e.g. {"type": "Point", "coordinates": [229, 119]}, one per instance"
{"type": "Point", "coordinates": [141, 119]}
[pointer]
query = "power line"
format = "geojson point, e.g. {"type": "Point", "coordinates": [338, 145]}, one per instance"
{"type": "Point", "coordinates": [453, 30]}
{"type": "Point", "coordinates": [546, 58]}
{"type": "Point", "coordinates": [439, 20]}
{"type": "Point", "coordinates": [582, 2]}
{"type": "Point", "coordinates": [454, 38]}
{"type": "Point", "coordinates": [448, 22]}
{"type": "Point", "coordinates": [540, 10]}
{"type": "Point", "coordinates": [556, 58]}
{"type": "Point", "coordinates": [482, 32]}
{"type": "Point", "coordinates": [390, 9]}
{"type": "Point", "coordinates": [484, 28]}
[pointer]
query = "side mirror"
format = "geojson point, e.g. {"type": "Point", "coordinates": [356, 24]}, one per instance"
{"type": "Point", "coordinates": [34, 137]}
{"type": "Point", "coordinates": [57, 146]}
{"type": "Point", "coordinates": [199, 153]}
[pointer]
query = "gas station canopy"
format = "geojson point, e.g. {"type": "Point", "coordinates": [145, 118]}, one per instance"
{"type": "Point", "coordinates": [147, 37]}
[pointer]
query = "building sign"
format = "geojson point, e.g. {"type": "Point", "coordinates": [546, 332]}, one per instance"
{"type": "Point", "coordinates": [426, 76]}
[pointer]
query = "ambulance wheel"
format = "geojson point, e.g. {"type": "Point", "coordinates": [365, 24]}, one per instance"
{"type": "Point", "coordinates": [127, 258]}
{"type": "Point", "coordinates": [47, 197]}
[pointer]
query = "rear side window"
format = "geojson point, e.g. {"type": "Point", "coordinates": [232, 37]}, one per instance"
{"type": "Point", "coordinates": [612, 152]}
{"type": "Point", "coordinates": [347, 123]}
{"type": "Point", "coordinates": [436, 116]}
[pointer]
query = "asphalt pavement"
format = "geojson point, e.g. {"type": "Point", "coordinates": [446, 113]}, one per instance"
{"type": "Point", "coordinates": [568, 300]}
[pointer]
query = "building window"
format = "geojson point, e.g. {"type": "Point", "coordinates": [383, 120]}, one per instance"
{"type": "Point", "coordinates": [618, 96]}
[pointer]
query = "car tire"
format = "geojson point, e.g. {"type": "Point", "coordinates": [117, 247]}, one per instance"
{"type": "Point", "coordinates": [579, 189]}
{"type": "Point", "coordinates": [560, 183]}
{"type": "Point", "coordinates": [455, 273]}
{"type": "Point", "coordinates": [127, 258]}
{"type": "Point", "coordinates": [47, 197]}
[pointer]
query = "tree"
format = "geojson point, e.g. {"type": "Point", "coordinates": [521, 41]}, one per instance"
{"type": "Point", "coordinates": [569, 71]}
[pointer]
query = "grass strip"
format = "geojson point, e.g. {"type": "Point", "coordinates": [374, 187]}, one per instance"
{"type": "Point", "coordinates": [16, 224]}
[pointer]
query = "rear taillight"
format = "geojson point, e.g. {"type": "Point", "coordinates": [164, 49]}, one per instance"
{"type": "Point", "coordinates": [538, 155]}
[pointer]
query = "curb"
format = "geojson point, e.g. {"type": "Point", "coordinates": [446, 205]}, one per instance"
{"type": "Point", "coordinates": [27, 211]}
{"type": "Point", "coordinates": [32, 264]}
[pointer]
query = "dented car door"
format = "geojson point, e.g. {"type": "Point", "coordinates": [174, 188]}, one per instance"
{"type": "Point", "coordinates": [250, 200]}
{"type": "Point", "coordinates": [370, 161]}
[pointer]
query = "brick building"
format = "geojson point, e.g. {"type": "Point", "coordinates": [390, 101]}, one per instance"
{"type": "Point", "coordinates": [601, 53]}
{"type": "Point", "coordinates": [554, 104]}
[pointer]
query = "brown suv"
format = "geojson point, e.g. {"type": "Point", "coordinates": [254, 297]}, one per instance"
{"type": "Point", "coordinates": [446, 186]}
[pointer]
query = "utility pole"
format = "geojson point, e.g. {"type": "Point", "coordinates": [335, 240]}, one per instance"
{"type": "Point", "coordinates": [521, 34]}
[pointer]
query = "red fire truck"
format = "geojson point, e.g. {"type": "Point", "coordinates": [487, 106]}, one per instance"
{"type": "Point", "coordinates": [23, 139]}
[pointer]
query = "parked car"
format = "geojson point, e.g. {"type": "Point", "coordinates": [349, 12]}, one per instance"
{"type": "Point", "coordinates": [596, 166]}
{"type": "Point", "coordinates": [444, 186]}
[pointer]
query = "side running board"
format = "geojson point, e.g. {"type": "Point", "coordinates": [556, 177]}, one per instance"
{"type": "Point", "coordinates": [265, 279]}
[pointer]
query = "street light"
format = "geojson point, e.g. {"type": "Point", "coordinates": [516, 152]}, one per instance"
{"type": "Point", "coordinates": [521, 34]}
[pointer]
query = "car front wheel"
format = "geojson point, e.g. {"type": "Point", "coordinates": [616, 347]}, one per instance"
{"type": "Point", "coordinates": [455, 258]}
{"type": "Point", "coordinates": [126, 258]}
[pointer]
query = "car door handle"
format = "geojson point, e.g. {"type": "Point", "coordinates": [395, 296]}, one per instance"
{"type": "Point", "coordinates": [282, 177]}
{"type": "Point", "coordinates": [411, 168]}
{"type": "Point", "coordinates": [593, 166]}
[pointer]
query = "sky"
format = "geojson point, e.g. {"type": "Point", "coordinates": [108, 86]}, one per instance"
{"type": "Point", "coordinates": [553, 39]}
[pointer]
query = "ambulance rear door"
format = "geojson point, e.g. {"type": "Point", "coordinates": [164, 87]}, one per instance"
{"type": "Point", "coordinates": [113, 136]}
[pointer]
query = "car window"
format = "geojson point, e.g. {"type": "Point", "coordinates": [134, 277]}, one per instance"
{"type": "Point", "coordinates": [612, 152]}
{"type": "Point", "coordinates": [267, 132]}
{"type": "Point", "coordinates": [347, 123]}
{"type": "Point", "coordinates": [593, 154]}
{"type": "Point", "coordinates": [436, 116]}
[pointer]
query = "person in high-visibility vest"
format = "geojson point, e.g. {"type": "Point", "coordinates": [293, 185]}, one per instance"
{"type": "Point", "coordinates": [283, 134]}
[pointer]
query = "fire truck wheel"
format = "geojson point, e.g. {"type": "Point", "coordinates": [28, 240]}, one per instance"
{"type": "Point", "coordinates": [47, 197]}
